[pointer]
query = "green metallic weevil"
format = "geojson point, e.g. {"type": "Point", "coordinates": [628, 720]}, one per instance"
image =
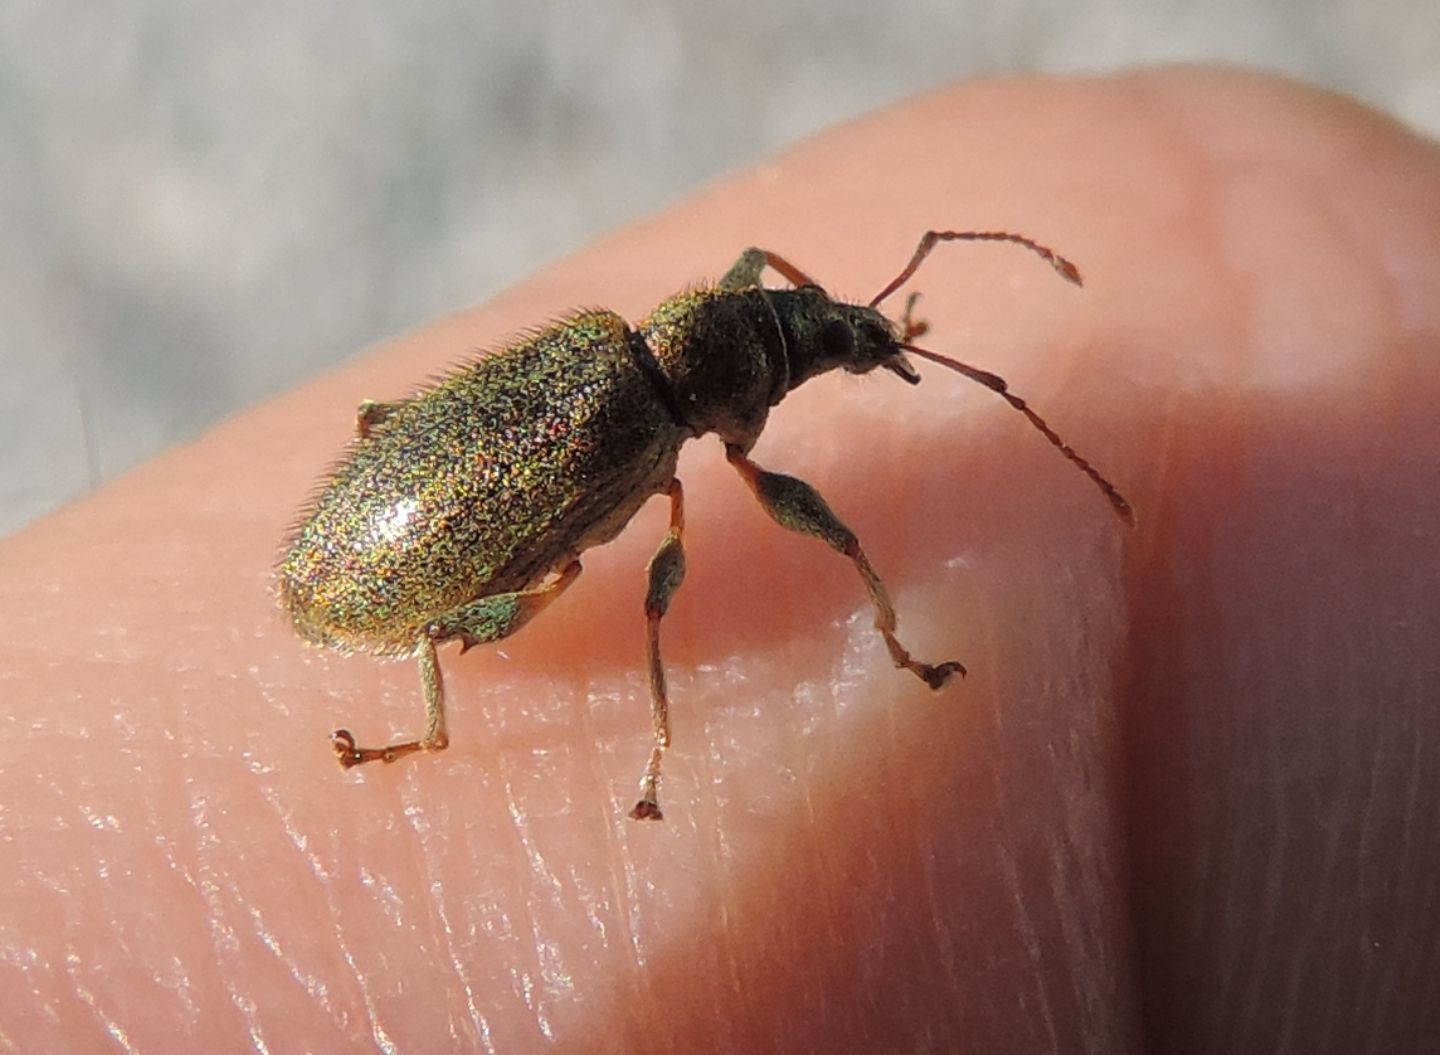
{"type": "Point", "coordinates": [459, 514]}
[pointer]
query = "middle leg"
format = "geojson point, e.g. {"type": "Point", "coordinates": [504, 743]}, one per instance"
{"type": "Point", "coordinates": [667, 572]}
{"type": "Point", "coordinates": [487, 619]}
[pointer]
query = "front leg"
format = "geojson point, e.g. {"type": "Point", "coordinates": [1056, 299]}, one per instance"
{"type": "Point", "coordinates": [487, 619]}
{"type": "Point", "coordinates": [796, 505]}
{"type": "Point", "coordinates": [745, 273]}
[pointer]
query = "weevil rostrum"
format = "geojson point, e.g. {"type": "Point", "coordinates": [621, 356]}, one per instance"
{"type": "Point", "coordinates": [461, 513]}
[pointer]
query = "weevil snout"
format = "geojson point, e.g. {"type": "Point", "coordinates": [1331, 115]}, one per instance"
{"type": "Point", "coordinates": [859, 339]}
{"type": "Point", "coordinates": [863, 339]}
{"type": "Point", "coordinates": [902, 368]}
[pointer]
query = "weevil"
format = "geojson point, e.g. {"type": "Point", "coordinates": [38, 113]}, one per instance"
{"type": "Point", "coordinates": [461, 513]}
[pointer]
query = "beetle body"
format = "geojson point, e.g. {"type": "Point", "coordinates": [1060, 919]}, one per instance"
{"type": "Point", "coordinates": [458, 514]}
{"type": "Point", "coordinates": [509, 468]}
{"type": "Point", "coordinates": [480, 485]}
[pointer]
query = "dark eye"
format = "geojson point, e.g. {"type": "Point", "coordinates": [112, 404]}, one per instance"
{"type": "Point", "coordinates": [837, 339]}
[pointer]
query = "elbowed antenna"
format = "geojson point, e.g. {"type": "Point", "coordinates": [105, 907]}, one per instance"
{"type": "Point", "coordinates": [1068, 271]}
{"type": "Point", "coordinates": [997, 384]}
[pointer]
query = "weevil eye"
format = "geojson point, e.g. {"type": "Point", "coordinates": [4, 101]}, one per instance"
{"type": "Point", "coordinates": [837, 340]}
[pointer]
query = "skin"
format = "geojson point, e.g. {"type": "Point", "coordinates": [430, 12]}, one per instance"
{"type": "Point", "coordinates": [1188, 798]}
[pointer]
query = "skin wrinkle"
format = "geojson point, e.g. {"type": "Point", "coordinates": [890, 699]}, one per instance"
{"type": "Point", "coordinates": [421, 825]}
{"type": "Point", "coordinates": [1030, 942]}
{"type": "Point", "coordinates": [1365, 850]}
{"type": "Point", "coordinates": [617, 875]}
{"type": "Point", "coordinates": [309, 983]}
{"type": "Point", "coordinates": [316, 992]}
{"type": "Point", "coordinates": [945, 941]}
{"type": "Point", "coordinates": [727, 910]}
{"type": "Point", "coordinates": [1390, 984]}
{"type": "Point", "coordinates": [1412, 801]}
{"type": "Point", "coordinates": [339, 928]}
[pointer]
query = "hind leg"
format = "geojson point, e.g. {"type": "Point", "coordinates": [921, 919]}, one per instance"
{"type": "Point", "coordinates": [488, 619]}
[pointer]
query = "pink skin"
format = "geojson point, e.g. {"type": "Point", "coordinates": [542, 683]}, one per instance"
{"type": "Point", "coordinates": [1190, 791]}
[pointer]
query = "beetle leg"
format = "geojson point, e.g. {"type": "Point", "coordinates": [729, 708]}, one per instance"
{"type": "Point", "coordinates": [911, 327]}
{"type": "Point", "coordinates": [370, 413]}
{"type": "Point", "coordinates": [487, 619]}
{"type": "Point", "coordinates": [493, 618]}
{"type": "Point", "coordinates": [796, 505]}
{"type": "Point", "coordinates": [667, 572]}
{"type": "Point", "coordinates": [435, 738]}
{"type": "Point", "coordinates": [745, 273]}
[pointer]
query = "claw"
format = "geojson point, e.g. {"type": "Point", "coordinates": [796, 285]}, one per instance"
{"type": "Point", "coordinates": [938, 675]}
{"type": "Point", "coordinates": [342, 741]}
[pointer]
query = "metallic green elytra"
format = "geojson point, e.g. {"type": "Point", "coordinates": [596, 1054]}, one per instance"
{"type": "Point", "coordinates": [460, 513]}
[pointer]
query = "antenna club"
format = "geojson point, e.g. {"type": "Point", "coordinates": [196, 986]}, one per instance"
{"type": "Point", "coordinates": [1068, 271]}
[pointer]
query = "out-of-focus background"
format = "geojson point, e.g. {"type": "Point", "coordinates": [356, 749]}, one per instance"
{"type": "Point", "coordinates": [202, 202]}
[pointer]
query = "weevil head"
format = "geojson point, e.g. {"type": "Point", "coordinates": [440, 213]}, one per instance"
{"type": "Point", "coordinates": [728, 356]}
{"type": "Point", "coordinates": [824, 334]}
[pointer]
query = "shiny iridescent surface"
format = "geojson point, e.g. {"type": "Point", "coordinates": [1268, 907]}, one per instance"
{"type": "Point", "coordinates": [479, 485]}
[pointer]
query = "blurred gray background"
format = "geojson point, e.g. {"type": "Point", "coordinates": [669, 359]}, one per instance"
{"type": "Point", "coordinates": [201, 203]}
